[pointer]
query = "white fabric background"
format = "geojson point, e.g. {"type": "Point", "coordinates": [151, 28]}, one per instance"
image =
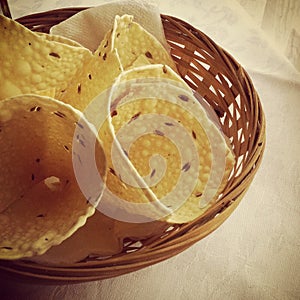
{"type": "Point", "coordinates": [255, 254]}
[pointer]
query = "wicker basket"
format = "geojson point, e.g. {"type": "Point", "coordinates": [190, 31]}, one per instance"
{"type": "Point", "coordinates": [217, 76]}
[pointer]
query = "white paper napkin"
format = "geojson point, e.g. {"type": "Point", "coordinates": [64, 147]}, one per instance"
{"type": "Point", "coordinates": [89, 27]}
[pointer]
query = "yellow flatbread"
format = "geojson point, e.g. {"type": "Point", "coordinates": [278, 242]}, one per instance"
{"type": "Point", "coordinates": [30, 62]}
{"type": "Point", "coordinates": [41, 203]}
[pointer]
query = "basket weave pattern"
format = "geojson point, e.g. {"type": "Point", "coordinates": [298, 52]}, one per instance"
{"type": "Point", "coordinates": [225, 85]}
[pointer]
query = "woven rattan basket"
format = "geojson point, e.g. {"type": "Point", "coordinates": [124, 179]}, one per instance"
{"type": "Point", "coordinates": [221, 80]}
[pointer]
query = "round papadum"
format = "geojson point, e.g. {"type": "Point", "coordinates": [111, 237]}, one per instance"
{"type": "Point", "coordinates": [195, 159]}
{"type": "Point", "coordinates": [40, 202]}
{"type": "Point", "coordinates": [33, 62]}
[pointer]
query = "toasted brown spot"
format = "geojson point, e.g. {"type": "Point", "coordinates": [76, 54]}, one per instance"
{"type": "Point", "coordinates": [186, 167]}
{"type": "Point", "coordinates": [59, 114]}
{"type": "Point", "coordinates": [158, 132]}
{"type": "Point", "coordinates": [79, 88]}
{"type": "Point", "coordinates": [90, 76]}
{"type": "Point", "coordinates": [148, 54]}
{"type": "Point", "coordinates": [106, 44]}
{"type": "Point", "coordinates": [135, 116]}
{"type": "Point", "coordinates": [113, 113]}
{"type": "Point", "coordinates": [79, 125]}
{"type": "Point", "coordinates": [183, 98]}
{"type": "Point", "coordinates": [152, 173]}
{"type": "Point", "coordinates": [81, 143]}
{"type": "Point", "coordinates": [194, 134]}
{"type": "Point", "coordinates": [104, 56]}
{"type": "Point", "coordinates": [112, 171]}
{"type": "Point", "coordinates": [198, 194]}
{"type": "Point", "coordinates": [54, 54]}
{"type": "Point", "coordinates": [164, 69]}
{"type": "Point", "coordinates": [125, 152]}
{"type": "Point", "coordinates": [35, 108]}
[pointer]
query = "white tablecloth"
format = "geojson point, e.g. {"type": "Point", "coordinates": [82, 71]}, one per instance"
{"type": "Point", "coordinates": [255, 254]}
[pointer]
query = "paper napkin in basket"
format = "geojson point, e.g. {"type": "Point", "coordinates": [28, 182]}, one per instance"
{"type": "Point", "coordinates": [89, 27]}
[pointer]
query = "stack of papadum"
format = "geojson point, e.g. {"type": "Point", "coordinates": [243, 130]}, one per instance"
{"type": "Point", "coordinates": [47, 85]}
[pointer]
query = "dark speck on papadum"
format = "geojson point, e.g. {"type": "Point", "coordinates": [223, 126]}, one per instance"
{"type": "Point", "coordinates": [79, 125]}
{"type": "Point", "coordinates": [35, 108]}
{"type": "Point", "coordinates": [152, 173]}
{"type": "Point", "coordinates": [183, 98]}
{"type": "Point", "coordinates": [158, 132]}
{"type": "Point", "coordinates": [148, 54]}
{"type": "Point", "coordinates": [59, 114]}
{"type": "Point", "coordinates": [112, 171]}
{"type": "Point", "coordinates": [113, 113]}
{"type": "Point", "coordinates": [54, 54]}
{"type": "Point", "coordinates": [194, 134]}
{"type": "Point", "coordinates": [186, 167]}
{"type": "Point", "coordinates": [7, 248]}
{"type": "Point", "coordinates": [135, 116]}
{"type": "Point", "coordinates": [169, 124]}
